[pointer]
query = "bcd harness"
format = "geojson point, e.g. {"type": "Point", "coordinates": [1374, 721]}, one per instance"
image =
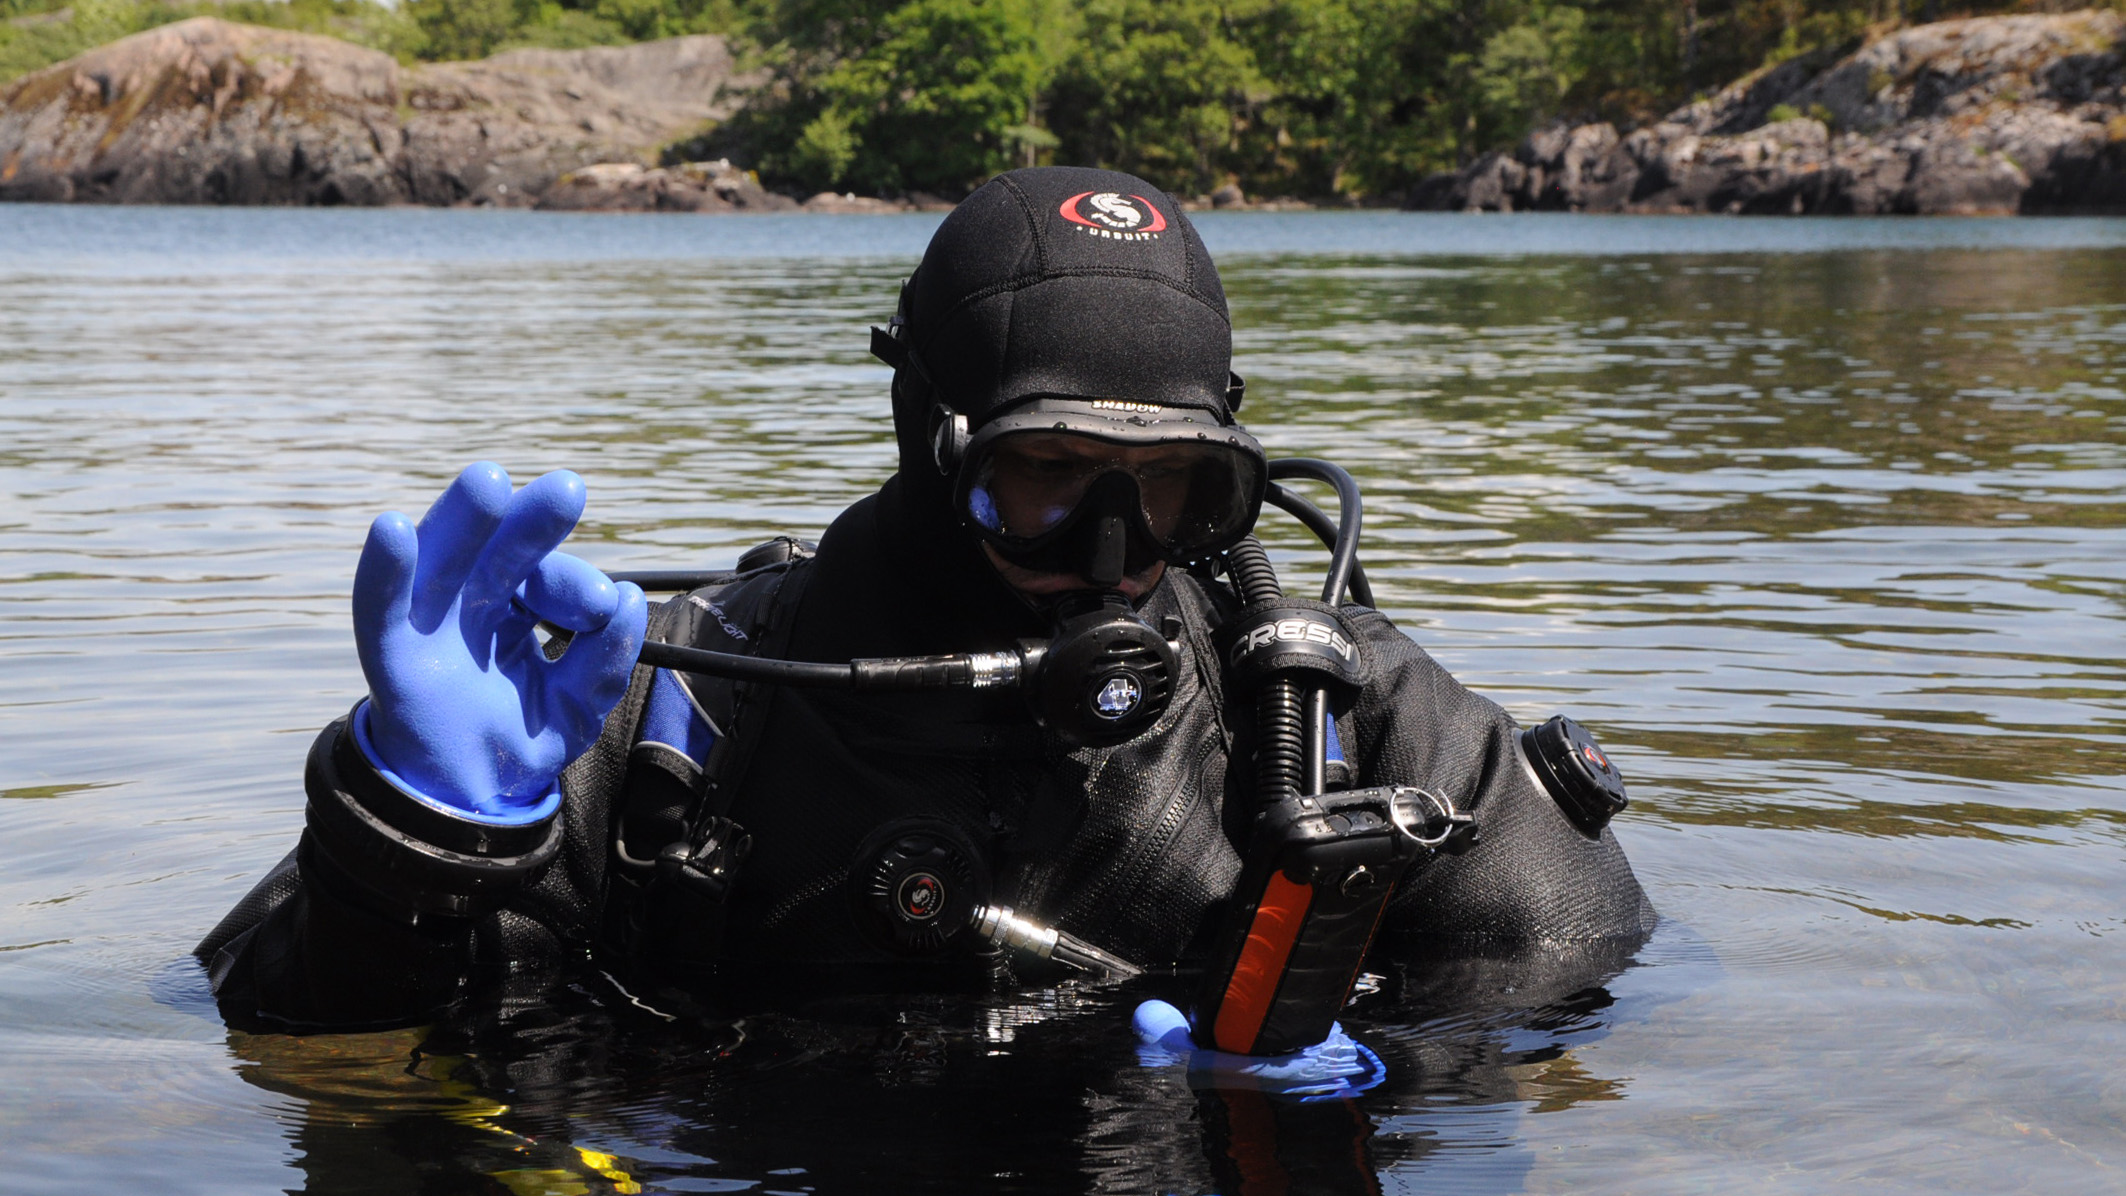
{"type": "Point", "coordinates": [676, 851]}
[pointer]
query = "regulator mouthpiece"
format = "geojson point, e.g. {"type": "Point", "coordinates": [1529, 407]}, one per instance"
{"type": "Point", "coordinates": [1105, 677]}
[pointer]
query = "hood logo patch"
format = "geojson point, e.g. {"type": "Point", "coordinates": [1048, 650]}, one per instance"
{"type": "Point", "coordinates": [1113, 216]}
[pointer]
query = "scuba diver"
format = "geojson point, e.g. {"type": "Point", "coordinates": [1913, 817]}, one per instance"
{"type": "Point", "coordinates": [1039, 704]}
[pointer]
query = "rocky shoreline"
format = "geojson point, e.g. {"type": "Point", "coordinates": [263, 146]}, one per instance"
{"type": "Point", "coordinates": [1985, 116]}
{"type": "Point", "coordinates": [206, 111]}
{"type": "Point", "coordinates": [1989, 115]}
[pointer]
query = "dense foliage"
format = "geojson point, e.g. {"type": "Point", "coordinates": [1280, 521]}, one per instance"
{"type": "Point", "coordinates": [1351, 98]}
{"type": "Point", "coordinates": [1319, 98]}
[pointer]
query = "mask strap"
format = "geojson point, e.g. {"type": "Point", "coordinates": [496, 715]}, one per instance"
{"type": "Point", "coordinates": [948, 428]}
{"type": "Point", "coordinates": [888, 348]}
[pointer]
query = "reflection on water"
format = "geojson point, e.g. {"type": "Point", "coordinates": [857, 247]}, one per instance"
{"type": "Point", "coordinates": [1033, 1092]}
{"type": "Point", "coordinates": [1827, 545]}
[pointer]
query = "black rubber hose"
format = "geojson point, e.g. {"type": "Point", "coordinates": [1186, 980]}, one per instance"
{"type": "Point", "coordinates": [896, 674]}
{"type": "Point", "coordinates": [673, 581]}
{"type": "Point", "coordinates": [1314, 733]}
{"type": "Point", "coordinates": [1253, 575]}
{"type": "Point", "coordinates": [725, 664]}
{"type": "Point", "coordinates": [1343, 558]}
{"type": "Point", "coordinates": [878, 674]}
{"type": "Point", "coordinates": [1324, 529]}
{"type": "Point", "coordinates": [1280, 726]}
{"type": "Point", "coordinates": [747, 668]}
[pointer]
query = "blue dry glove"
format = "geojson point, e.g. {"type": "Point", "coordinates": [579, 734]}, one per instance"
{"type": "Point", "coordinates": [1336, 1067]}
{"type": "Point", "coordinates": [464, 708]}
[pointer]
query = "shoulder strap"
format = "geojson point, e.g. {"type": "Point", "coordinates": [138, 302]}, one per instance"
{"type": "Point", "coordinates": [672, 918]}
{"type": "Point", "coordinates": [769, 636]}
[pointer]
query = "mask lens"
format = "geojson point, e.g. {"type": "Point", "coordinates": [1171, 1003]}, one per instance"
{"type": "Point", "coordinates": [1190, 495]}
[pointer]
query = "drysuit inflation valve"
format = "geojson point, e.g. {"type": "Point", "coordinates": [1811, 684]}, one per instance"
{"type": "Point", "coordinates": [1576, 772]}
{"type": "Point", "coordinates": [919, 882]}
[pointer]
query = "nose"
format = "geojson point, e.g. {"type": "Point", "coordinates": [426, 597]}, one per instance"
{"type": "Point", "coordinates": [1110, 550]}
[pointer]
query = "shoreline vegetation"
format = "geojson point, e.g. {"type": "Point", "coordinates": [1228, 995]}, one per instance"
{"type": "Point", "coordinates": [835, 105]}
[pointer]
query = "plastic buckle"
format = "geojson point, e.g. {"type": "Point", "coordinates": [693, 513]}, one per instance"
{"type": "Point", "coordinates": [706, 870]}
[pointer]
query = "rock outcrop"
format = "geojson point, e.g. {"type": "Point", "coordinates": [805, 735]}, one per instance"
{"type": "Point", "coordinates": [631, 187]}
{"type": "Point", "coordinates": [1989, 115]}
{"type": "Point", "coordinates": [207, 111]}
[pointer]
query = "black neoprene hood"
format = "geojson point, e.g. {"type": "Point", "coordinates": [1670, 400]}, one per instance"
{"type": "Point", "coordinates": [1069, 282]}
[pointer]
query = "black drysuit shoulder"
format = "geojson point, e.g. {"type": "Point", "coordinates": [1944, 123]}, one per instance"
{"type": "Point", "coordinates": [1532, 876]}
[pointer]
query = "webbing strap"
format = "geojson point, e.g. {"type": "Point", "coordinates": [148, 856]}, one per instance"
{"type": "Point", "coordinates": [726, 766]}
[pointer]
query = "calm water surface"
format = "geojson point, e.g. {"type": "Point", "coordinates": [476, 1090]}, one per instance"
{"type": "Point", "coordinates": [1819, 523]}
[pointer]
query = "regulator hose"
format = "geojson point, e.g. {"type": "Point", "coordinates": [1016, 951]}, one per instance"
{"type": "Point", "coordinates": [1343, 550]}
{"type": "Point", "coordinates": [1103, 676]}
{"type": "Point", "coordinates": [969, 670]}
{"type": "Point", "coordinates": [966, 670]}
{"type": "Point", "coordinates": [1324, 529]}
{"type": "Point", "coordinates": [1292, 722]}
{"type": "Point", "coordinates": [1280, 727]}
{"type": "Point", "coordinates": [1293, 725]}
{"type": "Point", "coordinates": [1254, 578]}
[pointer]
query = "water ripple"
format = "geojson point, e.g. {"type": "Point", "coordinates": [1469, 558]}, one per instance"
{"type": "Point", "coordinates": [1828, 547]}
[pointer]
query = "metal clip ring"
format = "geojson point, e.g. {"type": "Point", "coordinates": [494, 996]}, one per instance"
{"type": "Point", "coordinates": [1449, 820]}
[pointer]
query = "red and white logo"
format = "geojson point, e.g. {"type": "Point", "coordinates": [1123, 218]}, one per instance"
{"type": "Point", "coordinates": [1113, 216]}
{"type": "Point", "coordinates": [922, 896]}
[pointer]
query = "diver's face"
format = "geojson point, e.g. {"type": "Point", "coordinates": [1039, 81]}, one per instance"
{"type": "Point", "coordinates": [1034, 584]}
{"type": "Point", "coordinates": [1036, 480]}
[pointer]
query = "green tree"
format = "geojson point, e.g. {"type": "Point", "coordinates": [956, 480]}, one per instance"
{"type": "Point", "coordinates": [1365, 99]}
{"type": "Point", "coordinates": [1160, 88]}
{"type": "Point", "coordinates": [938, 104]}
{"type": "Point", "coordinates": [457, 29]}
{"type": "Point", "coordinates": [454, 29]}
{"type": "Point", "coordinates": [825, 149]}
{"type": "Point", "coordinates": [1525, 71]}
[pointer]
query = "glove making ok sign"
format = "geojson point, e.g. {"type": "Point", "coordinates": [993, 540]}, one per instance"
{"type": "Point", "coordinates": [464, 706]}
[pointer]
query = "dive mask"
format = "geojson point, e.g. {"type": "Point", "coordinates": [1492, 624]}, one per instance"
{"type": "Point", "coordinates": [1102, 487]}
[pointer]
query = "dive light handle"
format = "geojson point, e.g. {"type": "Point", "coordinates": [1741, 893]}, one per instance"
{"type": "Point", "coordinates": [1317, 878]}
